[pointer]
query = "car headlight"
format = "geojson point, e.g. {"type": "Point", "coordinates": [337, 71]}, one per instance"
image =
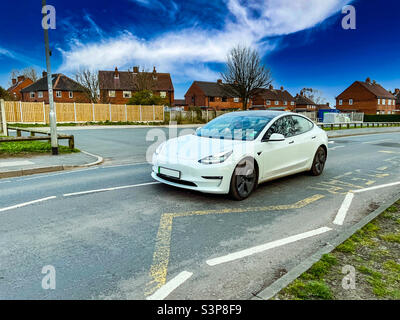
{"type": "Point", "coordinates": [217, 158]}
{"type": "Point", "coordinates": [159, 148]}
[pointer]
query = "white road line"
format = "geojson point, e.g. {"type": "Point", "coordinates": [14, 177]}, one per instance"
{"type": "Point", "coordinates": [334, 148]}
{"type": "Point", "coordinates": [55, 174]}
{"type": "Point", "coordinates": [27, 203]}
{"type": "Point", "coordinates": [377, 141]}
{"type": "Point", "coordinates": [170, 286]}
{"type": "Point", "coordinates": [377, 187]}
{"type": "Point", "coordinates": [109, 189]}
{"type": "Point", "coordinates": [341, 215]}
{"type": "Point", "coordinates": [270, 245]}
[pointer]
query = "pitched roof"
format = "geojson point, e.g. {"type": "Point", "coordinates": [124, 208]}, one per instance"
{"type": "Point", "coordinates": [126, 80]}
{"type": "Point", "coordinates": [212, 89]}
{"type": "Point", "coordinates": [14, 86]}
{"type": "Point", "coordinates": [397, 96]}
{"type": "Point", "coordinates": [60, 82]}
{"type": "Point", "coordinates": [274, 94]}
{"type": "Point", "coordinates": [303, 100]}
{"type": "Point", "coordinates": [376, 89]}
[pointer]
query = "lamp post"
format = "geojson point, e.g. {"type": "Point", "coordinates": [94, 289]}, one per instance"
{"type": "Point", "coordinates": [52, 115]}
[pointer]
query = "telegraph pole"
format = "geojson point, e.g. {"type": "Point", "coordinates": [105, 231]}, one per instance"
{"type": "Point", "coordinates": [52, 115]}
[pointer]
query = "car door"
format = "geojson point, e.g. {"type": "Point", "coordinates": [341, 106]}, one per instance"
{"type": "Point", "coordinates": [305, 140]}
{"type": "Point", "coordinates": [278, 157]}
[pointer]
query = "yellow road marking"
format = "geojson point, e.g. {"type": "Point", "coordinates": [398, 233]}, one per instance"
{"type": "Point", "coordinates": [386, 151]}
{"type": "Point", "coordinates": [159, 268]}
{"type": "Point", "coordinates": [382, 168]}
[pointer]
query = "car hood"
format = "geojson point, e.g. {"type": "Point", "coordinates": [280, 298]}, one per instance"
{"type": "Point", "coordinates": [193, 147]}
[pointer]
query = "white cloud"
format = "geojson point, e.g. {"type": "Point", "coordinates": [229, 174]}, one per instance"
{"type": "Point", "coordinates": [185, 53]}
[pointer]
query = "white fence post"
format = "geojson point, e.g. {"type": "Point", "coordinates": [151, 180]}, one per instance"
{"type": "Point", "coordinates": [44, 113]}
{"type": "Point", "coordinates": [75, 111]}
{"type": "Point", "coordinates": [126, 114]}
{"type": "Point", "coordinates": [3, 117]}
{"type": "Point", "coordinates": [93, 112]}
{"type": "Point", "coordinates": [20, 110]}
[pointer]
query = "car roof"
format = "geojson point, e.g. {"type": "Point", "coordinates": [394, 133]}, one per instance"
{"type": "Point", "coordinates": [258, 113]}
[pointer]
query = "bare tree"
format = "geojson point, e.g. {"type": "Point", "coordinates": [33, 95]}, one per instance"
{"type": "Point", "coordinates": [29, 72]}
{"type": "Point", "coordinates": [244, 74]}
{"type": "Point", "coordinates": [90, 81]}
{"type": "Point", "coordinates": [313, 94]}
{"type": "Point", "coordinates": [144, 80]}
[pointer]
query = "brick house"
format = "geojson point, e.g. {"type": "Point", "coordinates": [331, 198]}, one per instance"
{"type": "Point", "coordinates": [117, 87]}
{"type": "Point", "coordinates": [304, 103]}
{"type": "Point", "coordinates": [368, 97]}
{"type": "Point", "coordinates": [17, 85]}
{"type": "Point", "coordinates": [211, 95]}
{"type": "Point", "coordinates": [64, 90]}
{"type": "Point", "coordinates": [273, 98]}
{"type": "Point", "coordinates": [397, 96]}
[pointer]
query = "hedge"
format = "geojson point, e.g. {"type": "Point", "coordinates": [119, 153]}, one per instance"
{"type": "Point", "coordinates": [382, 118]}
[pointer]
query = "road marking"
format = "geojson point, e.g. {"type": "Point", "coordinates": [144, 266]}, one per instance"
{"type": "Point", "coordinates": [15, 163]}
{"type": "Point", "coordinates": [386, 151]}
{"type": "Point", "coordinates": [382, 168]}
{"type": "Point", "coordinates": [377, 187]}
{"type": "Point", "coordinates": [109, 189]}
{"type": "Point", "coordinates": [267, 246]}
{"type": "Point", "coordinates": [377, 141]}
{"type": "Point", "coordinates": [341, 215]}
{"type": "Point", "coordinates": [334, 148]}
{"type": "Point", "coordinates": [27, 203]}
{"type": "Point", "coordinates": [55, 174]}
{"type": "Point", "coordinates": [170, 286]}
{"type": "Point", "coordinates": [159, 268]}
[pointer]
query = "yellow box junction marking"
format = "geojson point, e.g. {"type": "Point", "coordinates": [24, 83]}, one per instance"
{"type": "Point", "coordinates": [159, 268]}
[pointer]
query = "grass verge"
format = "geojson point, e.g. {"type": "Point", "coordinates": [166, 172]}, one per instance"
{"type": "Point", "coordinates": [372, 252]}
{"type": "Point", "coordinates": [26, 148]}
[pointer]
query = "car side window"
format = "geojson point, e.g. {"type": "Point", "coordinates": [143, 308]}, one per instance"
{"type": "Point", "coordinates": [284, 126]}
{"type": "Point", "coordinates": [301, 125]}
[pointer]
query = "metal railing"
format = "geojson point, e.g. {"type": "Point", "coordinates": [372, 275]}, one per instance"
{"type": "Point", "coordinates": [349, 125]}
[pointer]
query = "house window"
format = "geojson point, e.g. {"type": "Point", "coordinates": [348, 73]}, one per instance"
{"type": "Point", "coordinates": [292, 103]}
{"type": "Point", "coordinates": [276, 102]}
{"type": "Point", "coordinates": [70, 94]}
{"type": "Point", "coordinates": [350, 101]}
{"type": "Point", "coordinates": [269, 102]}
{"type": "Point", "coordinates": [211, 99]}
{"type": "Point", "coordinates": [163, 94]}
{"type": "Point", "coordinates": [127, 94]}
{"type": "Point", "coordinates": [224, 99]}
{"type": "Point", "coordinates": [235, 99]}
{"type": "Point", "coordinates": [32, 94]}
{"type": "Point", "coordinates": [379, 101]}
{"type": "Point", "coordinates": [40, 94]}
{"type": "Point", "coordinates": [383, 101]}
{"type": "Point", "coordinates": [285, 103]}
{"type": "Point", "coordinates": [111, 93]}
{"type": "Point", "coordinates": [340, 102]}
{"type": "Point", "coordinates": [389, 102]}
{"type": "Point", "coordinates": [58, 94]}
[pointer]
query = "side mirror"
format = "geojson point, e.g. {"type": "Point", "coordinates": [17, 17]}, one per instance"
{"type": "Point", "coordinates": [276, 137]}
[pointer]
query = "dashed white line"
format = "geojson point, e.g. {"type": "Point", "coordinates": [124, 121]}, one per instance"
{"type": "Point", "coordinates": [341, 215]}
{"type": "Point", "coordinates": [109, 189]}
{"type": "Point", "coordinates": [27, 203]}
{"type": "Point", "coordinates": [270, 245]}
{"type": "Point", "coordinates": [170, 286]}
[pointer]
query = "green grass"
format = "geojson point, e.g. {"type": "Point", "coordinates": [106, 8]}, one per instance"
{"type": "Point", "coordinates": [391, 237]}
{"type": "Point", "coordinates": [313, 289]}
{"type": "Point", "coordinates": [30, 147]}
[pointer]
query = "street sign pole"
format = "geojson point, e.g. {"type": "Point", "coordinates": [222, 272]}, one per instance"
{"type": "Point", "coordinates": [52, 115]}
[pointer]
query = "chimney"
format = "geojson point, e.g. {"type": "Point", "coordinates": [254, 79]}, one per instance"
{"type": "Point", "coordinates": [44, 74]}
{"type": "Point", "coordinates": [396, 91]}
{"type": "Point", "coordinates": [219, 81]}
{"type": "Point", "coordinates": [116, 73]}
{"type": "Point", "coordinates": [135, 69]}
{"type": "Point", "coordinates": [368, 80]}
{"type": "Point", "coordinates": [374, 81]}
{"type": "Point", "coordinates": [281, 88]}
{"type": "Point", "coordinates": [21, 78]}
{"type": "Point", "coordinates": [154, 69]}
{"type": "Point", "coordinates": [271, 87]}
{"type": "Point", "coordinates": [14, 81]}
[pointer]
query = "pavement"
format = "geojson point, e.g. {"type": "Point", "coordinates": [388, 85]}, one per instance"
{"type": "Point", "coordinates": [111, 232]}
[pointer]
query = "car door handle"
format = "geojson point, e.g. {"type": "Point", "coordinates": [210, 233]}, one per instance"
{"type": "Point", "coordinates": [291, 142]}
{"type": "Point", "coordinates": [313, 137]}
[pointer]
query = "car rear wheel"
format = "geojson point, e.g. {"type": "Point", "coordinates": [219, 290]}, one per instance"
{"type": "Point", "coordinates": [319, 162]}
{"type": "Point", "coordinates": [244, 179]}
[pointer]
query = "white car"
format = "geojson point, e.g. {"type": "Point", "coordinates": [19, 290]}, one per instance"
{"type": "Point", "coordinates": [235, 152]}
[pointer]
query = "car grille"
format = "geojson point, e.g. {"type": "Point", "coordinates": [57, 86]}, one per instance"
{"type": "Point", "coordinates": [174, 180]}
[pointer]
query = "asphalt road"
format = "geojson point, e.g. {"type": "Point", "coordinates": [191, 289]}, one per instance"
{"type": "Point", "coordinates": [137, 238]}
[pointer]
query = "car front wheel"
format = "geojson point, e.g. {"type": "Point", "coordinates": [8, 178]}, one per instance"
{"type": "Point", "coordinates": [244, 179]}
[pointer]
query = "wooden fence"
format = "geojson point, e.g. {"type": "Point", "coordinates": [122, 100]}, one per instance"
{"type": "Point", "coordinates": [38, 112]}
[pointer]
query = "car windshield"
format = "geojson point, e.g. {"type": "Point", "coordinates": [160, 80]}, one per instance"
{"type": "Point", "coordinates": [234, 127]}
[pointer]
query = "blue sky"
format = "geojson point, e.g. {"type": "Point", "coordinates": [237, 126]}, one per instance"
{"type": "Point", "coordinates": [301, 41]}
